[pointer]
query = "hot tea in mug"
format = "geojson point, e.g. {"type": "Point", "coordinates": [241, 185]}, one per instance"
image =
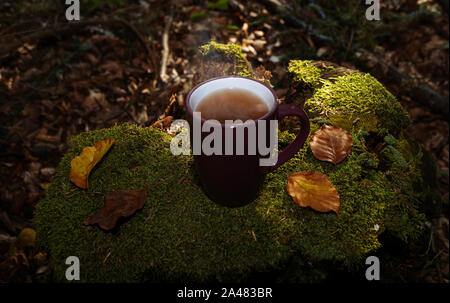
{"type": "Point", "coordinates": [232, 104]}
{"type": "Point", "coordinates": [229, 106]}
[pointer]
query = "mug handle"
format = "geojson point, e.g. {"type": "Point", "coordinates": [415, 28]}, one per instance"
{"type": "Point", "coordinates": [292, 110]}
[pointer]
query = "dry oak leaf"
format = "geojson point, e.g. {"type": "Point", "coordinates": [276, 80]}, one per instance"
{"type": "Point", "coordinates": [331, 143]}
{"type": "Point", "coordinates": [163, 123]}
{"type": "Point", "coordinates": [81, 165]}
{"type": "Point", "coordinates": [310, 188]}
{"type": "Point", "coordinates": [121, 203]}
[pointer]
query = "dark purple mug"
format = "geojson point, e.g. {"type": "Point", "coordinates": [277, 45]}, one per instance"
{"type": "Point", "coordinates": [234, 179]}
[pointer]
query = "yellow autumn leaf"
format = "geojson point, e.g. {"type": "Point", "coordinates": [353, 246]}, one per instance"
{"type": "Point", "coordinates": [81, 166]}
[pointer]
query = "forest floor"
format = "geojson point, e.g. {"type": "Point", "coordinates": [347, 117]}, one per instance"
{"type": "Point", "coordinates": [58, 79]}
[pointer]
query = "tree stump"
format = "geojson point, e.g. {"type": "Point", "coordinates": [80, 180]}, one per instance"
{"type": "Point", "coordinates": [180, 235]}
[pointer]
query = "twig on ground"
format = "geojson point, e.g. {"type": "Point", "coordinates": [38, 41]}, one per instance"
{"type": "Point", "coordinates": [136, 32]}
{"type": "Point", "coordinates": [141, 39]}
{"type": "Point", "coordinates": [434, 248]}
{"type": "Point", "coordinates": [169, 109]}
{"type": "Point", "coordinates": [126, 9]}
{"type": "Point", "coordinates": [419, 92]}
{"type": "Point", "coordinates": [349, 44]}
{"type": "Point", "coordinates": [285, 11]}
{"type": "Point", "coordinates": [165, 42]}
{"type": "Point", "coordinates": [56, 30]}
{"type": "Point", "coordinates": [106, 258]}
{"type": "Point", "coordinates": [19, 24]}
{"type": "Point", "coordinates": [28, 31]}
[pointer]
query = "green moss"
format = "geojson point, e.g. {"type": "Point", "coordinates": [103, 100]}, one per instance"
{"type": "Point", "coordinates": [404, 218]}
{"type": "Point", "coordinates": [367, 198]}
{"type": "Point", "coordinates": [366, 122]}
{"type": "Point", "coordinates": [304, 71]}
{"type": "Point", "coordinates": [394, 156]}
{"type": "Point", "coordinates": [181, 234]}
{"type": "Point", "coordinates": [390, 140]}
{"type": "Point", "coordinates": [231, 51]}
{"type": "Point", "coordinates": [358, 94]}
{"type": "Point", "coordinates": [178, 233]}
{"type": "Point", "coordinates": [345, 97]}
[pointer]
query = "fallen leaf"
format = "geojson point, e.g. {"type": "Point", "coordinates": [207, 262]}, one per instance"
{"type": "Point", "coordinates": [262, 74]}
{"type": "Point", "coordinates": [112, 70]}
{"type": "Point", "coordinates": [308, 188]}
{"type": "Point", "coordinates": [40, 258]}
{"type": "Point", "coordinates": [81, 166]}
{"type": "Point", "coordinates": [118, 204]}
{"type": "Point", "coordinates": [26, 238]}
{"type": "Point", "coordinates": [331, 143]}
{"type": "Point", "coordinates": [163, 123]}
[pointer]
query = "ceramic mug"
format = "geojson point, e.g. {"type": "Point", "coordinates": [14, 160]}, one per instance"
{"type": "Point", "coordinates": [234, 179]}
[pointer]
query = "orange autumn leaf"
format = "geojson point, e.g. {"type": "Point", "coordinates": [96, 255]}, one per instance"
{"type": "Point", "coordinates": [331, 143]}
{"type": "Point", "coordinates": [81, 165]}
{"type": "Point", "coordinates": [313, 189]}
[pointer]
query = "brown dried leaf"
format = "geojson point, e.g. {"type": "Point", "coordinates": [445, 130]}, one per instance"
{"type": "Point", "coordinates": [313, 189]}
{"type": "Point", "coordinates": [262, 74]}
{"type": "Point", "coordinates": [331, 143]}
{"type": "Point", "coordinates": [163, 123]}
{"type": "Point", "coordinates": [122, 203]}
{"type": "Point", "coordinates": [112, 69]}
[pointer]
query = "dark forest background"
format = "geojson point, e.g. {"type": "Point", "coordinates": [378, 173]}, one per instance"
{"type": "Point", "coordinates": [125, 59]}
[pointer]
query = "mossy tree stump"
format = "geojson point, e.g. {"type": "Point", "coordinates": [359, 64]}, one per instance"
{"type": "Point", "coordinates": [180, 235]}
